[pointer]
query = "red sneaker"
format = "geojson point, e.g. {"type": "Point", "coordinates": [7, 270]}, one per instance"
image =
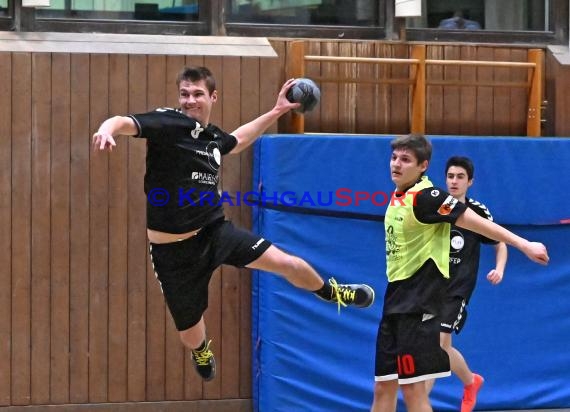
{"type": "Point", "coordinates": [470, 393]}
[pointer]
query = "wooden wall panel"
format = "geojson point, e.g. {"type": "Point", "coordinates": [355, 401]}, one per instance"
{"type": "Point", "coordinates": [383, 107]}
{"type": "Point", "coordinates": [365, 92]}
{"type": "Point", "coordinates": [557, 75]}
{"type": "Point", "coordinates": [550, 82]}
{"type": "Point", "coordinates": [451, 94]}
{"type": "Point", "coordinates": [79, 230]}
{"type": "Point", "coordinates": [228, 405]}
{"type": "Point", "coordinates": [561, 102]}
{"type": "Point", "coordinates": [347, 91]}
{"type": "Point", "coordinates": [501, 98]}
{"type": "Point", "coordinates": [21, 228]}
{"type": "Point", "coordinates": [82, 318]}
{"type": "Point", "coordinates": [330, 92]}
{"type": "Point", "coordinates": [313, 119]}
{"type": "Point", "coordinates": [40, 227]}
{"type": "Point", "coordinates": [60, 227]}
{"type": "Point", "coordinates": [485, 108]}
{"type": "Point", "coordinates": [468, 94]}
{"type": "Point", "coordinates": [399, 94]}
{"type": "Point", "coordinates": [452, 108]}
{"type": "Point", "coordinates": [434, 92]}
{"type": "Point", "coordinates": [5, 222]}
{"type": "Point", "coordinates": [118, 236]}
{"type": "Point", "coordinates": [98, 235]}
{"type": "Point", "coordinates": [518, 96]}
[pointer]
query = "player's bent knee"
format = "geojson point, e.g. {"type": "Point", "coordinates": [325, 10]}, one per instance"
{"type": "Point", "coordinates": [191, 337]}
{"type": "Point", "coordinates": [291, 265]}
{"type": "Point", "coordinates": [385, 388]}
{"type": "Point", "coordinates": [276, 261]}
{"type": "Point", "coordinates": [414, 392]}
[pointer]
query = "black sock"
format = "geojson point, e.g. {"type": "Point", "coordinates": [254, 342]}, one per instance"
{"type": "Point", "coordinates": [201, 347]}
{"type": "Point", "coordinates": [325, 292]}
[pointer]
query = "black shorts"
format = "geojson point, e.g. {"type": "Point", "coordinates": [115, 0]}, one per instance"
{"type": "Point", "coordinates": [408, 349]}
{"type": "Point", "coordinates": [184, 268]}
{"type": "Point", "coordinates": [453, 314]}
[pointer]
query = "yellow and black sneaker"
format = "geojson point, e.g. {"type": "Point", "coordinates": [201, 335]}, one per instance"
{"type": "Point", "coordinates": [204, 361]}
{"type": "Point", "coordinates": [359, 295]}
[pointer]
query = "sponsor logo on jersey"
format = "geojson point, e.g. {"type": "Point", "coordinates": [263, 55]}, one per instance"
{"type": "Point", "coordinates": [427, 316]}
{"type": "Point", "coordinates": [447, 206]}
{"type": "Point", "coordinates": [213, 154]}
{"type": "Point", "coordinates": [259, 242]}
{"type": "Point", "coordinates": [205, 178]}
{"type": "Point", "coordinates": [457, 242]}
{"type": "Point", "coordinates": [392, 247]}
{"type": "Point", "coordinates": [197, 130]}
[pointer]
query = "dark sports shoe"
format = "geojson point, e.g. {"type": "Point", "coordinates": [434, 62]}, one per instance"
{"type": "Point", "coordinates": [359, 295]}
{"type": "Point", "coordinates": [204, 362]}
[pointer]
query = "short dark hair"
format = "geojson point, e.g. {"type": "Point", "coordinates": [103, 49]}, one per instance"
{"type": "Point", "coordinates": [461, 161]}
{"type": "Point", "coordinates": [417, 143]}
{"type": "Point", "coordinates": [197, 73]}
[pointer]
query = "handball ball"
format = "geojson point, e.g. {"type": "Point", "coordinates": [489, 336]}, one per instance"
{"type": "Point", "coordinates": [306, 92]}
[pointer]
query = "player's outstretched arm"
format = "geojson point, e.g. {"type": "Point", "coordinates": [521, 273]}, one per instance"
{"type": "Point", "coordinates": [249, 132]}
{"type": "Point", "coordinates": [535, 251]}
{"type": "Point", "coordinates": [114, 126]}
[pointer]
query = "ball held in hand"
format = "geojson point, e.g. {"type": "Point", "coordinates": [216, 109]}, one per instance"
{"type": "Point", "coordinates": [306, 92]}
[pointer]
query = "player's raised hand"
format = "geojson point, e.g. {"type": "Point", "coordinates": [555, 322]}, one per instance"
{"type": "Point", "coordinates": [103, 141]}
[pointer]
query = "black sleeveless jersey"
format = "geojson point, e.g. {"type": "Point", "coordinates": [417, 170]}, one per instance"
{"type": "Point", "coordinates": [464, 254]}
{"type": "Point", "coordinates": [182, 163]}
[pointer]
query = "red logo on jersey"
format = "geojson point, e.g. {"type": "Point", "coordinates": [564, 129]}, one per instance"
{"type": "Point", "coordinates": [447, 206]}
